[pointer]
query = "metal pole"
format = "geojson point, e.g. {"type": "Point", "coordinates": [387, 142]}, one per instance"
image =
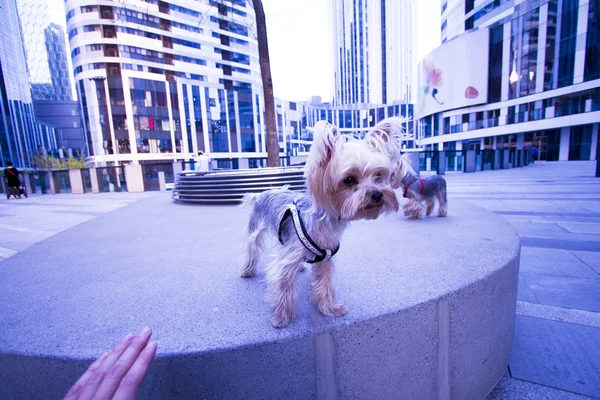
{"type": "Point", "coordinates": [598, 159]}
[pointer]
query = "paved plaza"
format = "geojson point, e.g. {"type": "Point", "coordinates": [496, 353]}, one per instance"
{"type": "Point", "coordinates": [555, 208]}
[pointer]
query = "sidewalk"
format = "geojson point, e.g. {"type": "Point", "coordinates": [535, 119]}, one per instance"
{"type": "Point", "coordinates": [555, 208]}
{"type": "Point", "coordinates": [28, 221]}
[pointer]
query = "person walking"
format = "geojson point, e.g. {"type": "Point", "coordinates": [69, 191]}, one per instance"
{"type": "Point", "coordinates": [203, 162]}
{"type": "Point", "coordinates": [533, 153]}
{"type": "Point", "coordinates": [12, 177]}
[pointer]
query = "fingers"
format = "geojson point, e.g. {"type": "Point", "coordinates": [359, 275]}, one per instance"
{"type": "Point", "coordinates": [131, 383]}
{"type": "Point", "coordinates": [94, 381]}
{"type": "Point", "coordinates": [77, 388]}
{"type": "Point", "coordinates": [118, 370]}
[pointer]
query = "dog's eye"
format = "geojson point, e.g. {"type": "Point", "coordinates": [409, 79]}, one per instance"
{"type": "Point", "coordinates": [350, 181]}
{"type": "Point", "coordinates": [378, 178]}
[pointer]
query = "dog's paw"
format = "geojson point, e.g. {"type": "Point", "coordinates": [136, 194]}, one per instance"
{"type": "Point", "coordinates": [332, 310]}
{"type": "Point", "coordinates": [281, 319]}
{"type": "Point", "coordinates": [249, 271]}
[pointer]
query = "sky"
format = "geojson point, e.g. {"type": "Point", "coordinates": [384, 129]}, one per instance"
{"type": "Point", "coordinates": [300, 38]}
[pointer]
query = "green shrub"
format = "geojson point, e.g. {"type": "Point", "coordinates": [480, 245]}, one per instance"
{"type": "Point", "coordinates": [49, 162]}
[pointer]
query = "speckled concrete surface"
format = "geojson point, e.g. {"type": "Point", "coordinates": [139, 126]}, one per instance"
{"type": "Point", "coordinates": [175, 267]}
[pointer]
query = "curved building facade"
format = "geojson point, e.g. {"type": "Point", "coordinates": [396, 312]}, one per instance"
{"type": "Point", "coordinates": [161, 81]}
{"type": "Point", "coordinates": [530, 76]}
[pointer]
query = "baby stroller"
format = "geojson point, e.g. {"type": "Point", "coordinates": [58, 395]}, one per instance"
{"type": "Point", "coordinates": [22, 188]}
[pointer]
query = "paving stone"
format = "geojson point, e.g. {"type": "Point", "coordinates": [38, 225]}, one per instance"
{"type": "Point", "coordinates": [571, 316]}
{"type": "Point", "coordinates": [557, 354]}
{"type": "Point", "coordinates": [50, 222]}
{"type": "Point", "coordinates": [554, 262]}
{"type": "Point", "coordinates": [552, 214]}
{"type": "Point", "coordinates": [561, 244]}
{"type": "Point", "coordinates": [18, 240]}
{"type": "Point", "coordinates": [590, 228]}
{"type": "Point", "coordinates": [524, 293]}
{"type": "Point", "coordinates": [547, 230]}
{"type": "Point", "coordinates": [525, 218]}
{"type": "Point", "coordinates": [515, 389]}
{"type": "Point", "coordinates": [592, 259]}
{"type": "Point", "coordinates": [5, 253]}
{"type": "Point", "coordinates": [579, 293]}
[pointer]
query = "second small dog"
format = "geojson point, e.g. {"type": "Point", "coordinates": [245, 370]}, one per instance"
{"type": "Point", "coordinates": [422, 193]}
{"type": "Point", "coordinates": [346, 181]}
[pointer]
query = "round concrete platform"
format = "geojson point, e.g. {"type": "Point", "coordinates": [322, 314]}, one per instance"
{"type": "Point", "coordinates": [431, 308]}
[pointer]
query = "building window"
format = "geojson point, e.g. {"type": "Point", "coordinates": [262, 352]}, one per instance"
{"type": "Point", "coordinates": [568, 40]}
{"type": "Point", "coordinates": [495, 64]}
{"type": "Point", "coordinates": [550, 65]}
{"type": "Point", "coordinates": [89, 9]}
{"type": "Point", "coordinates": [469, 23]}
{"type": "Point", "coordinates": [580, 142]}
{"type": "Point", "coordinates": [529, 44]}
{"type": "Point", "coordinates": [92, 28]}
{"type": "Point", "coordinates": [592, 54]}
{"type": "Point", "coordinates": [469, 5]}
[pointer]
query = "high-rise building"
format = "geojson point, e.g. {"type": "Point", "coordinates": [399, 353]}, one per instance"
{"type": "Point", "coordinates": [523, 74]}
{"type": "Point", "coordinates": [44, 49]}
{"type": "Point", "coordinates": [374, 44]}
{"type": "Point", "coordinates": [453, 18]}
{"type": "Point", "coordinates": [49, 76]}
{"type": "Point", "coordinates": [160, 81]}
{"type": "Point", "coordinates": [21, 137]}
{"type": "Point", "coordinates": [54, 38]}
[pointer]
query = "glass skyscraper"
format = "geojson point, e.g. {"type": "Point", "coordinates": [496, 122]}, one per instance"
{"type": "Point", "coordinates": [45, 48]}
{"type": "Point", "coordinates": [21, 137]}
{"type": "Point", "coordinates": [374, 51]}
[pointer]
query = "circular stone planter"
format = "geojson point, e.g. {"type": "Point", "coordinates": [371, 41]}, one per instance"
{"type": "Point", "coordinates": [229, 187]}
{"type": "Point", "coordinates": [431, 307]}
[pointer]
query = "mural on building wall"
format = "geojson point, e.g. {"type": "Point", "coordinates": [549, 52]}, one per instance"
{"type": "Point", "coordinates": [452, 76]}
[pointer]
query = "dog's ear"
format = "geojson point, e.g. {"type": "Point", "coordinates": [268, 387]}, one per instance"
{"type": "Point", "coordinates": [325, 136]}
{"type": "Point", "coordinates": [385, 136]}
{"type": "Point", "coordinates": [322, 150]}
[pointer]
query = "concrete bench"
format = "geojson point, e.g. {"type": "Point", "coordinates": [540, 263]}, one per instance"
{"type": "Point", "coordinates": [431, 308]}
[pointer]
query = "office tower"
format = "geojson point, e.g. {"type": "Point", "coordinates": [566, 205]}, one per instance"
{"type": "Point", "coordinates": [374, 45]}
{"type": "Point", "coordinates": [21, 136]}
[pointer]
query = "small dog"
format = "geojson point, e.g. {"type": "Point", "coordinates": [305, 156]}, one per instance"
{"type": "Point", "coordinates": [423, 193]}
{"type": "Point", "coordinates": [346, 181]}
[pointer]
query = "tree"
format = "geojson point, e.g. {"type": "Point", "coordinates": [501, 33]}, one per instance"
{"type": "Point", "coordinates": [265, 72]}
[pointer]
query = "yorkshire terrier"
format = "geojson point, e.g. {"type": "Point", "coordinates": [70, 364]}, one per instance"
{"type": "Point", "coordinates": [346, 181]}
{"type": "Point", "coordinates": [422, 193]}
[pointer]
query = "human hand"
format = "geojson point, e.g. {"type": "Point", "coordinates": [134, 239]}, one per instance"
{"type": "Point", "coordinates": [118, 374]}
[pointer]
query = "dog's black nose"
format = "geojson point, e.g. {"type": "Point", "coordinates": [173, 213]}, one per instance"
{"type": "Point", "coordinates": [377, 196]}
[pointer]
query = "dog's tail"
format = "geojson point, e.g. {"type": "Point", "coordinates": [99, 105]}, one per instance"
{"type": "Point", "coordinates": [406, 165]}
{"type": "Point", "coordinates": [250, 199]}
